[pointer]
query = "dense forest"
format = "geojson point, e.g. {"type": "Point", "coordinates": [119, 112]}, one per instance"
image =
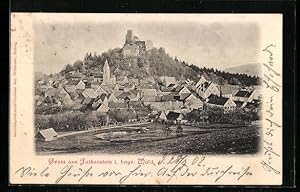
{"type": "Point", "coordinates": [156, 62]}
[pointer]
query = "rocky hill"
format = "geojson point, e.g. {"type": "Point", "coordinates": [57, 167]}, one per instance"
{"type": "Point", "coordinates": [155, 63]}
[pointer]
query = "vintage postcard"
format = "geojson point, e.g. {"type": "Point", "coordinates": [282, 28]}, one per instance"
{"type": "Point", "coordinates": [160, 99]}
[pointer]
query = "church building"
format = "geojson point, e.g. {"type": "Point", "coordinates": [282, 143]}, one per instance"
{"type": "Point", "coordinates": [108, 79]}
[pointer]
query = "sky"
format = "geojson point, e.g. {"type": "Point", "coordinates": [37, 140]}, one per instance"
{"type": "Point", "coordinates": [61, 39]}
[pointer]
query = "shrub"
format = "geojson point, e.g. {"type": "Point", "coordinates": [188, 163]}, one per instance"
{"type": "Point", "coordinates": [70, 121]}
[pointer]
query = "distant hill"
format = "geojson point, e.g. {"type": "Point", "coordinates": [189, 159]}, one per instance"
{"type": "Point", "coordinates": [250, 69]}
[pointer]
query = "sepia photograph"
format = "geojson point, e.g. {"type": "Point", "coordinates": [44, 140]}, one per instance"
{"type": "Point", "coordinates": [146, 87]}
{"type": "Point", "coordinates": [150, 99]}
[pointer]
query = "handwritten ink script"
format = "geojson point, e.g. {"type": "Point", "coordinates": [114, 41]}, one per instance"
{"type": "Point", "coordinates": [270, 78]}
{"type": "Point", "coordinates": [164, 170]}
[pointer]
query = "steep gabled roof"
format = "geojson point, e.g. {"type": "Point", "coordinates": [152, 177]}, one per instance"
{"type": "Point", "coordinates": [166, 89]}
{"type": "Point", "coordinates": [173, 115]}
{"type": "Point", "coordinates": [238, 103]}
{"type": "Point", "coordinates": [171, 85]}
{"type": "Point", "coordinates": [129, 85]}
{"type": "Point", "coordinates": [184, 96]}
{"type": "Point", "coordinates": [169, 97]}
{"type": "Point", "coordinates": [106, 88]}
{"type": "Point", "coordinates": [135, 92]}
{"type": "Point", "coordinates": [124, 95]}
{"type": "Point", "coordinates": [206, 84]}
{"type": "Point", "coordinates": [88, 101]}
{"type": "Point", "coordinates": [117, 105]}
{"type": "Point", "coordinates": [48, 133]}
{"type": "Point", "coordinates": [214, 99]}
{"type": "Point", "coordinates": [103, 96]}
{"type": "Point", "coordinates": [89, 93]}
{"type": "Point", "coordinates": [242, 93]}
{"type": "Point", "coordinates": [73, 82]}
{"type": "Point", "coordinates": [148, 92]}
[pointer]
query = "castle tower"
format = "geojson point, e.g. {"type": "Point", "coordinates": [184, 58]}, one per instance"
{"type": "Point", "coordinates": [129, 36]}
{"type": "Point", "coordinates": [106, 73]}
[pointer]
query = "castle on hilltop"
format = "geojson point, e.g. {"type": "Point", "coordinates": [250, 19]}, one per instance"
{"type": "Point", "coordinates": [133, 46]}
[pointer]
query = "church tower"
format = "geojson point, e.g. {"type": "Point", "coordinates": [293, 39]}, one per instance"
{"type": "Point", "coordinates": [106, 73]}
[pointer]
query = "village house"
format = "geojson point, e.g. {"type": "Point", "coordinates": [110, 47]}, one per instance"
{"type": "Point", "coordinates": [111, 97]}
{"type": "Point", "coordinates": [89, 93]}
{"type": "Point", "coordinates": [182, 90]}
{"type": "Point", "coordinates": [87, 84]}
{"type": "Point", "coordinates": [103, 89]}
{"type": "Point", "coordinates": [244, 95]}
{"type": "Point", "coordinates": [164, 105]}
{"type": "Point", "coordinates": [121, 80]}
{"type": "Point", "coordinates": [88, 102]}
{"type": "Point", "coordinates": [173, 96]}
{"type": "Point", "coordinates": [73, 85]}
{"type": "Point", "coordinates": [253, 106]}
{"type": "Point", "coordinates": [117, 105]}
{"type": "Point", "coordinates": [100, 100]}
{"type": "Point", "coordinates": [98, 77]}
{"type": "Point", "coordinates": [206, 89]}
{"type": "Point", "coordinates": [148, 98]}
{"type": "Point", "coordinates": [64, 96]}
{"type": "Point", "coordinates": [103, 108]}
{"type": "Point", "coordinates": [228, 90]}
{"type": "Point", "coordinates": [162, 116]}
{"type": "Point", "coordinates": [240, 104]}
{"type": "Point", "coordinates": [191, 101]}
{"type": "Point", "coordinates": [164, 90]}
{"type": "Point", "coordinates": [200, 81]}
{"type": "Point", "coordinates": [128, 87]}
{"type": "Point", "coordinates": [46, 134]}
{"type": "Point", "coordinates": [136, 93]}
{"type": "Point", "coordinates": [175, 118]}
{"type": "Point", "coordinates": [117, 93]}
{"type": "Point", "coordinates": [221, 102]}
{"type": "Point", "coordinates": [166, 81]}
{"type": "Point", "coordinates": [133, 81]}
{"type": "Point", "coordinates": [59, 94]}
{"type": "Point", "coordinates": [136, 105]}
{"type": "Point", "coordinates": [126, 97]}
{"type": "Point", "coordinates": [149, 92]}
{"type": "Point", "coordinates": [172, 86]}
{"type": "Point", "coordinates": [75, 94]}
{"type": "Point", "coordinates": [95, 85]}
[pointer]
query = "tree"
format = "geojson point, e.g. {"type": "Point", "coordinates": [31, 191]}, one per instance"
{"type": "Point", "coordinates": [77, 65]}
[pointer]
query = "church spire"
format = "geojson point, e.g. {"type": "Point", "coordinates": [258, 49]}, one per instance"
{"type": "Point", "coordinates": [106, 73]}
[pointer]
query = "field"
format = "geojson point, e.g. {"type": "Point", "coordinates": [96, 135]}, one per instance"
{"type": "Point", "coordinates": [153, 139]}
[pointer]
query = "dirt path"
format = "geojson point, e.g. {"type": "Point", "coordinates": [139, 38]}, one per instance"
{"type": "Point", "coordinates": [101, 128]}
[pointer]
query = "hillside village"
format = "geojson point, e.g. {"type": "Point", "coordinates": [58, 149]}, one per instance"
{"type": "Point", "coordinates": [163, 99]}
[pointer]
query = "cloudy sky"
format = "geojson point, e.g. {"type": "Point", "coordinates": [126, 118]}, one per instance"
{"type": "Point", "coordinates": [63, 39]}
